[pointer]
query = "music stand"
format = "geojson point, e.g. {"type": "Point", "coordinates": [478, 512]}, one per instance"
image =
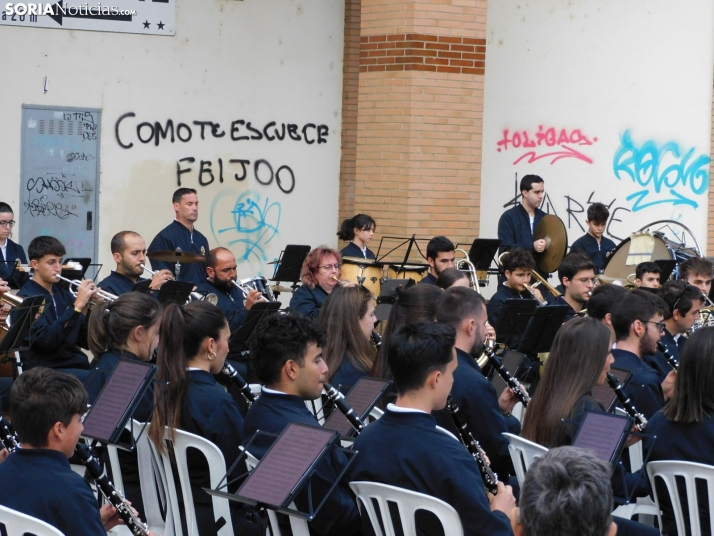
{"type": "Point", "coordinates": [512, 324]}
{"type": "Point", "coordinates": [666, 267]}
{"type": "Point", "coordinates": [388, 295]}
{"type": "Point", "coordinates": [12, 266]}
{"type": "Point", "coordinates": [542, 328]}
{"type": "Point", "coordinates": [284, 472]}
{"type": "Point", "coordinates": [240, 336]}
{"type": "Point", "coordinates": [175, 292]}
{"type": "Point", "coordinates": [21, 319]}
{"type": "Point", "coordinates": [290, 263]}
{"type": "Point", "coordinates": [483, 252]}
{"type": "Point", "coordinates": [410, 242]}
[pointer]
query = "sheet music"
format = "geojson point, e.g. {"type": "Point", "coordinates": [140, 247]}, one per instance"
{"type": "Point", "coordinates": [604, 393]}
{"type": "Point", "coordinates": [281, 469]}
{"type": "Point", "coordinates": [601, 433]}
{"type": "Point", "coordinates": [360, 398]}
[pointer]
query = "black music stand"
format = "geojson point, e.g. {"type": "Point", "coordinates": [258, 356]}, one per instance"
{"type": "Point", "coordinates": [22, 318]}
{"type": "Point", "coordinates": [175, 292]}
{"type": "Point", "coordinates": [290, 263]}
{"type": "Point", "coordinates": [284, 472]}
{"type": "Point", "coordinates": [409, 242]}
{"type": "Point", "coordinates": [666, 267]}
{"type": "Point", "coordinates": [239, 338]}
{"type": "Point", "coordinates": [482, 253]}
{"type": "Point", "coordinates": [542, 328]}
{"type": "Point", "coordinates": [388, 295]}
{"type": "Point", "coordinates": [512, 324]}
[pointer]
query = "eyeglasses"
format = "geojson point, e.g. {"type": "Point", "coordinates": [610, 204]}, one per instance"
{"type": "Point", "coordinates": [4, 223]}
{"type": "Point", "coordinates": [585, 280]}
{"type": "Point", "coordinates": [330, 267]}
{"type": "Point", "coordinates": [660, 325]}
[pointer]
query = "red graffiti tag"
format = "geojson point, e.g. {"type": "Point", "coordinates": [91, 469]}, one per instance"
{"type": "Point", "coordinates": [546, 137]}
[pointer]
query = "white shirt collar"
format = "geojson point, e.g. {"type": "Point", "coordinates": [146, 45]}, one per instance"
{"type": "Point", "coordinates": [273, 391]}
{"type": "Point", "coordinates": [399, 409]}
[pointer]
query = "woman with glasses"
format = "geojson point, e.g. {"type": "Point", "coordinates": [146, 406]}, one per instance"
{"type": "Point", "coordinates": [320, 275]}
{"type": "Point", "coordinates": [10, 252]}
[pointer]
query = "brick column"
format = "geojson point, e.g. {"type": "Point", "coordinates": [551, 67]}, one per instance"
{"type": "Point", "coordinates": [419, 117]}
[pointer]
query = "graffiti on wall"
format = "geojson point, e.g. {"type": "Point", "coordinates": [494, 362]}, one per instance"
{"type": "Point", "coordinates": [547, 143]}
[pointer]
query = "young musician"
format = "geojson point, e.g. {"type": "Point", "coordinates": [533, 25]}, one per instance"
{"type": "Point", "coordinates": [600, 304]}
{"type": "Point", "coordinates": [647, 274]}
{"type": "Point", "coordinates": [685, 426]}
{"type": "Point", "coordinates": [579, 360]}
{"type": "Point", "coordinates": [517, 224]}
{"type": "Point", "coordinates": [348, 320]}
{"type": "Point", "coordinates": [182, 234]}
{"type": "Point", "coordinates": [577, 275]}
{"type": "Point", "coordinates": [440, 256]}
{"type": "Point", "coordinates": [486, 414]}
{"type": "Point", "coordinates": [415, 304]}
{"type": "Point", "coordinates": [320, 275]}
{"type": "Point", "coordinates": [697, 271]}
{"type": "Point", "coordinates": [10, 252]}
{"type": "Point", "coordinates": [56, 334]}
{"type": "Point", "coordinates": [194, 345]}
{"type": "Point", "coordinates": [404, 448]}
{"type": "Point", "coordinates": [129, 252]}
{"type": "Point", "coordinates": [638, 323]}
{"type": "Point", "coordinates": [47, 408]}
{"type": "Point", "coordinates": [517, 266]}
{"type": "Point", "coordinates": [359, 231]}
{"type": "Point", "coordinates": [597, 246]}
{"type": "Point", "coordinates": [287, 354]}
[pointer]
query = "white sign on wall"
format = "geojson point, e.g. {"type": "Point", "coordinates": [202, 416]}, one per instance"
{"type": "Point", "coordinates": [608, 101]}
{"type": "Point", "coordinates": [157, 17]}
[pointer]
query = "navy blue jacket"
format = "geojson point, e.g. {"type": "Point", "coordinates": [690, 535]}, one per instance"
{"type": "Point", "coordinates": [353, 250]}
{"type": "Point", "coordinates": [14, 252]}
{"type": "Point", "coordinates": [272, 413]}
{"type": "Point", "coordinates": [55, 336]}
{"type": "Point", "coordinates": [41, 484]}
{"type": "Point", "coordinates": [497, 301]}
{"type": "Point", "coordinates": [560, 300]}
{"type": "Point", "coordinates": [645, 387]}
{"type": "Point", "coordinates": [119, 284]}
{"type": "Point", "coordinates": [430, 279]}
{"type": "Point", "coordinates": [308, 301]}
{"type": "Point", "coordinates": [478, 405]}
{"type": "Point", "coordinates": [406, 450]}
{"type": "Point", "coordinates": [597, 251]}
{"type": "Point", "coordinates": [178, 235]}
{"type": "Point", "coordinates": [514, 228]}
{"type": "Point", "coordinates": [347, 375]}
{"type": "Point", "coordinates": [231, 303]}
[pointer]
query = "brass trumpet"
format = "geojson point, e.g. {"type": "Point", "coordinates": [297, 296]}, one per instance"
{"type": "Point", "coordinates": [103, 294]}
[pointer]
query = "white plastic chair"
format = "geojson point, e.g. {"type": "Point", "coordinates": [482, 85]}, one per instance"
{"type": "Point", "coordinates": [407, 502]}
{"type": "Point", "coordinates": [19, 524]}
{"type": "Point", "coordinates": [315, 407]}
{"type": "Point", "coordinates": [523, 453]}
{"type": "Point", "coordinates": [689, 471]}
{"type": "Point", "coordinates": [256, 389]}
{"type": "Point", "coordinates": [217, 470]}
{"type": "Point", "coordinates": [298, 525]}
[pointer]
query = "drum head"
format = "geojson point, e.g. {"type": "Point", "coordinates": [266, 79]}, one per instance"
{"type": "Point", "coordinates": [552, 230]}
{"type": "Point", "coordinates": [616, 266]}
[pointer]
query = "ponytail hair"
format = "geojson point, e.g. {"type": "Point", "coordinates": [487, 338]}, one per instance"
{"type": "Point", "coordinates": [360, 221]}
{"type": "Point", "coordinates": [181, 334]}
{"type": "Point", "coordinates": [111, 324]}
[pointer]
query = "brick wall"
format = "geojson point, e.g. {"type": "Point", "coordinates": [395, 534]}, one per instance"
{"type": "Point", "coordinates": [710, 222]}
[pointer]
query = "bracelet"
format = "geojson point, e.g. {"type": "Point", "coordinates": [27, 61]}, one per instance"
{"type": "Point", "coordinates": [77, 309]}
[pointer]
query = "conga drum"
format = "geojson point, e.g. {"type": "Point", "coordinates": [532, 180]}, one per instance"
{"type": "Point", "coordinates": [417, 272]}
{"type": "Point", "coordinates": [364, 271]}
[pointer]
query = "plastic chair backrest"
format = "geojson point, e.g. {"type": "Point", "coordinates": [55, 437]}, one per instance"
{"type": "Point", "coordinates": [153, 486]}
{"type": "Point", "coordinates": [523, 453]}
{"type": "Point", "coordinates": [298, 525]}
{"type": "Point", "coordinates": [634, 451]}
{"type": "Point", "coordinates": [19, 524]}
{"type": "Point", "coordinates": [407, 502]}
{"type": "Point", "coordinates": [667, 471]}
{"type": "Point", "coordinates": [315, 407]}
{"type": "Point", "coordinates": [216, 468]}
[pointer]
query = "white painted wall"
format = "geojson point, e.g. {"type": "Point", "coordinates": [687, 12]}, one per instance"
{"type": "Point", "coordinates": [604, 71]}
{"type": "Point", "coordinates": [251, 60]}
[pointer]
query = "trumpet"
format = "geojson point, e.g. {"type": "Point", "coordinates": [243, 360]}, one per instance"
{"type": "Point", "coordinates": [532, 291]}
{"type": "Point", "coordinates": [103, 294]}
{"type": "Point", "coordinates": [194, 296]}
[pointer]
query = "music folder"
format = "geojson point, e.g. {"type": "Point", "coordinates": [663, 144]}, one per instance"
{"type": "Point", "coordinates": [604, 393]}
{"type": "Point", "coordinates": [240, 336]}
{"type": "Point", "coordinates": [363, 396]}
{"type": "Point", "coordinates": [604, 434]}
{"type": "Point", "coordinates": [175, 292]}
{"type": "Point", "coordinates": [515, 315]}
{"type": "Point", "coordinates": [21, 318]}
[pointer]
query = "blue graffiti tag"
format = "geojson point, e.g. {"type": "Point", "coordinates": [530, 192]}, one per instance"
{"type": "Point", "coordinates": [255, 223]}
{"type": "Point", "coordinates": [681, 179]}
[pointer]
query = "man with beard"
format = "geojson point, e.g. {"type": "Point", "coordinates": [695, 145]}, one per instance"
{"type": "Point", "coordinates": [486, 414]}
{"type": "Point", "coordinates": [129, 252]}
{"type": "Point", "coordinates": [440, 256]}
{"type": "Point", "coordinates": [638, 324]}
{"type": "Point", "coordinates": [577, 275]}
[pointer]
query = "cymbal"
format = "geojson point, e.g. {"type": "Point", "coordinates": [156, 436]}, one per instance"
{"type": "Point", "coordinates": [552, 230]}
{"type": "Point", "coordinates": [357, 260]}
{"type": "Point", "coordinates": [176, 256]}
{"type": "Point", "coordinates": [280, 288]}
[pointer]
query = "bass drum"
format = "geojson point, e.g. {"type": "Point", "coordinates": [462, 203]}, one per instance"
{"type": "Point", "coordinates": [417, 272]}
{"type": "Point", "coordinates": [353, 268]}
{"type": "Point", "coordinates": [617, 267]}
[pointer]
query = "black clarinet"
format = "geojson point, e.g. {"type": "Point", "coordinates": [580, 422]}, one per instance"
{"type": "Point", "coordinates": [117, 500]}
{"type": "Point", "coordinates": [376, 339]}
{"type": "Point", "coordinates": [640, 421]}
{"type": "Point", "coordinates": [338, 399]}
{"type": "Point", "coordinates": [7, 438]}
{"type": "Point", "coordinates": [230, 371]}
{"type": "Point", "coordinates": [513, 383]}
{"type": "Point", "coordinates": [669, 357]}
{"type": "Point", "coordinates": [490, 479]}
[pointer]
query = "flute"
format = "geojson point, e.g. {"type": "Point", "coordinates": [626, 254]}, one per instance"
{"type": "Point", "coordinates": [490, 479]}
{"type": "Point", "coordinates": [338, 399]}
{"type": "Point", "coordinates": [668, 356]}
{"type": "Point", "coordinates": [640, 421]}
{"type": "Point", "coordinates": [230, 371]}
{"type": "Point", "coordinates": [345, 282]}
{"type": "Point", "coordinates": [512, 382]}
{"type": "Point", "coordinates": [117, 500]}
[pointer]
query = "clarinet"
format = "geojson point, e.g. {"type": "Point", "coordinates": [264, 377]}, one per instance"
{"type": "Point", "coordinates": [7, 438]}
{"type": "Point", "coordinates": [338, 399]}
{"type": "Point", "coordinates": [513, 383]}
{"type": "Point", "coordinates": [640, 421]}
{"type": "Point", "coordinates": [230, 371]}
{"type": "Point", "coordinates": [125, 511]}
{"type": "Point", "coordinates": [490, 479]}
{"type": "Point", "coordinates": [669, 357]}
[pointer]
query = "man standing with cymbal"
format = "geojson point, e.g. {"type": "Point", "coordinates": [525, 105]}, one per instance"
{"type": "Point", "coordinates": [517, 224]}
